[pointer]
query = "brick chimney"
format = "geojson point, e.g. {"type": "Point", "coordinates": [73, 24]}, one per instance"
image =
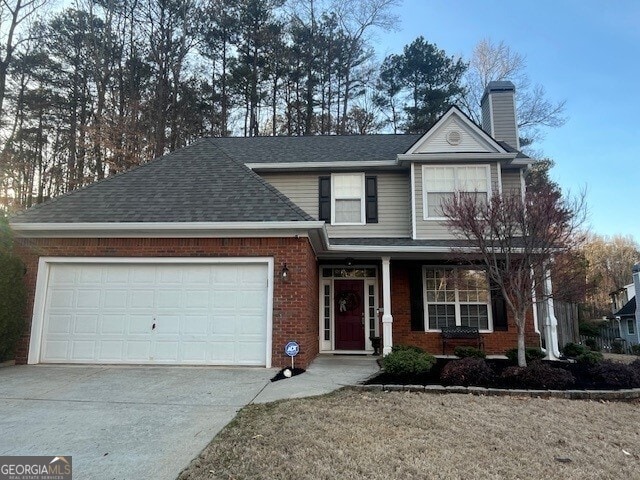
{"type": "Point", "coordinates": [499, 112]}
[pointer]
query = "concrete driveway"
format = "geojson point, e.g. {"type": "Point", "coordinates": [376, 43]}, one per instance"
{"type": "Point", "coordinates": [121, 422]}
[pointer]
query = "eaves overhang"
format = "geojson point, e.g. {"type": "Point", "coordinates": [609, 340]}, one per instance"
{"type": "Point", "coordinates": [455, 157]}
{"type": "Point", "coordinates": [334, 166]}
{"type": "Point", "coordinates": [165, 229]}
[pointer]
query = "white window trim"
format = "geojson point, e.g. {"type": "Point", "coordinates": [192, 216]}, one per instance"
{"type": "Point", "coordinates": [457, 301]}
{"type": "Point", "coordinates": [631, 322]}
{"type": "Point", "coordinates": [363, 208]}
{"type": "Point", "coordinates": [425, 168]}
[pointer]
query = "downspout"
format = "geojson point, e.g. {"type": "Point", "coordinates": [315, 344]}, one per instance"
{"type": "Point", "coordinates": [550, 321]}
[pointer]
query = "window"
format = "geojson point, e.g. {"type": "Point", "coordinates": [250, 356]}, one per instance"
{"type": "Point", "coordinates": [631, 326]}
{"type": "Point", "coordinates": [348, 199]}
{"type": "Point", "coordinates": [326, 311]}
{"type": "Point", "coordinates": [443, 182]}
{"type": "Point", "coordinates": [456, 297]}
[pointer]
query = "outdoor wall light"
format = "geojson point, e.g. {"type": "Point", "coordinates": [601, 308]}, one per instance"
{"type": "Point", "coordinates": [349, 261]}
{"type": "Point", "coordinates": [285, 272]}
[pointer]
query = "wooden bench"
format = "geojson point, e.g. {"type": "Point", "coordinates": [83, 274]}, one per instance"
{"type": "Point", "coordinates": [461, 333]}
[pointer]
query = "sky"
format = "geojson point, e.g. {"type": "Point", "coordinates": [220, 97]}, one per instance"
{"type": "Point", "coordinates": [585, 52]}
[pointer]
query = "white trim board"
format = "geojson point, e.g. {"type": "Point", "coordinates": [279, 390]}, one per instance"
{"type": "Point", "coordinates": [166, 229]}
{"type": "Point", "coordinates": [42, 285]}
{"type": "Point", "coordinates": [315, 165]}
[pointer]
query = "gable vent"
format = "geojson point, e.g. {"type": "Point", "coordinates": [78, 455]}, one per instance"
{"type": "Point", "coordinates": [454, 137]}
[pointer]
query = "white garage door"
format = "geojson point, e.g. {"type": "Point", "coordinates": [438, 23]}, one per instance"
{"type": "Point", "coordinates": [156, 313]}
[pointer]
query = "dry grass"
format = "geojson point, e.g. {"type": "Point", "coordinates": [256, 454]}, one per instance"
{"type": "Point", "coordinates": [369, 435]}
{"type": "Point", "coordinates": [617, 357]}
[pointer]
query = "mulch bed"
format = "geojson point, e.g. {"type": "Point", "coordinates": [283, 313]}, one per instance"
{"type": "Point", "coordinates": [584, 380]}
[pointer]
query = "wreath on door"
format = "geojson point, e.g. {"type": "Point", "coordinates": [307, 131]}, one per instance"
{"type": "Point", "coordinates": [347, 301]}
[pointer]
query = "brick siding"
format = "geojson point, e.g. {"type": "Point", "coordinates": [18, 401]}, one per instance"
{"type": "Point", "coordinates": [495, 343]}
{"type": "Point", "coordinates": [295, 302]}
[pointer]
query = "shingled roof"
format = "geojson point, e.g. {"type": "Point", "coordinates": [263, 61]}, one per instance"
{"type": "Point", "coordinates": [199, 183]}
{"type": "Point", "coordinates": [319, 148]}
{"type": "Point", "coordinates": [628, 309]}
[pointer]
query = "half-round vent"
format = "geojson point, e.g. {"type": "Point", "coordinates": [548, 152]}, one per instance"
{"type": "Point", "coordinates": [454, 137]}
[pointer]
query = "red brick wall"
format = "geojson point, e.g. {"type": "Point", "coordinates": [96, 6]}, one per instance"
{"type": "Point", "coordinates": [495, 343]}
{"type": "Point", "coordinates": [295, 303]}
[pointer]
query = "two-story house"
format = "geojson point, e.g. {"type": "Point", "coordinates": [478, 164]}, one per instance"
{"type": "Point", "coordinates": [625, 311]}
{"type": "Point", "coordinates": [223, 251]}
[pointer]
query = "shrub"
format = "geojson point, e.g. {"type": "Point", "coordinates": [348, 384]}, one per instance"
{"type": "Point", "coordinates": [590, 358]}
{"type": "Point", "coordinates": [573, 350]}
{"type": "Point", "coordinates": [467, 371]}
{"type": "Point", "coordinates": [408, 361]}
{"type": "Point", "coordinates": [465, 352]}
{"type": "Point", "coordinates": [13, 299]}
{"type": "Point", "coordinates": [635, 365]}
{"type": "Point", "coordinates": [538, 376]}
{"type": "Point", "coordinates": [615, 375]}
{"type": "Point", "coordinates": [592, 344]}
{"type": "Point", "coordinates": [404, 348]}
{"type": "Point", "coordinates": [635, 350]}
{"type": "Point", "coordinates": [588, 329]}
{"type": "Point", "coordinates": [617, 347]}
{"type": "Point", "coordinates": [530, 353]}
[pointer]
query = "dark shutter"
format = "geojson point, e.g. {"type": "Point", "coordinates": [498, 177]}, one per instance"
{"type": "Point", "coordinates": [324, 199]}
{"type": "Point", "coordinates": [499, 309]}
{"type": "Point", "coordinates": [371, 199]}
{"type": "Point", "coordinates": [416, 298]}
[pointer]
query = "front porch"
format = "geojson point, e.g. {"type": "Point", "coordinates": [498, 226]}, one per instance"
{"type": "Point", "coordinates": [408, 301]}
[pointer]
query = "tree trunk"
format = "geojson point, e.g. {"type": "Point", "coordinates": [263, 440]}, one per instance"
{"type": "Point", "coordinates": [522, 359]}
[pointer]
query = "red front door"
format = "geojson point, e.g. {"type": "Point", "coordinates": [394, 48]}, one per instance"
{"type": "Point", "coordinates": [349, 314]}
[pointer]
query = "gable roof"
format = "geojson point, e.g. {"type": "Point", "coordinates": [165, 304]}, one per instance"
{"type": "Point", "coordinates": [198, 183]}
{"type": "Point", "coordinates": [316, 149]}
{"type": "Point", "coordinates": [628, 309]}
{"type": "Point", "coordinates": [477, 139]}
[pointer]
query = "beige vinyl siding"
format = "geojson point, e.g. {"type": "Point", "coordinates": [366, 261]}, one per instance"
{"type": "Point", "coordinates": [394, 202]}
{"type": "Point", "coordinates": [486, 117]}
{"type": "Point", "coordinates": [435, 229]}
{"type": "Point", "coordinates": [504, 125]}
{"type": "Point", "coordinates": [301, 188]}
{"type": "Point", "coordinates": [469, 142]}
{"type": "Point", "coordinates": [511, 182]}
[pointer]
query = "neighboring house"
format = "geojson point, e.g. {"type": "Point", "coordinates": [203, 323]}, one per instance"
{"type": "Point", "coordinates": [621, 296]}
{"type": "Point", "coordinates": [223, 251]}
{"type": "Point", "coordinates": [625, 309]}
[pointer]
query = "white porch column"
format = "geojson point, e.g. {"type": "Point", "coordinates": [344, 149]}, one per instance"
{"type": "Point", "coordinates": [550, 321]}
{"type": "Point", "coordinates": [387, 318]}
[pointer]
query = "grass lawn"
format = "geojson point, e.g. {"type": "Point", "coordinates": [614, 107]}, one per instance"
{"type": "Point", "coordinates": [377, 435]}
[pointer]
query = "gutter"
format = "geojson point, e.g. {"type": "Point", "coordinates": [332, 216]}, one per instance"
{"type": "Point", "coordinates": [164, 229]}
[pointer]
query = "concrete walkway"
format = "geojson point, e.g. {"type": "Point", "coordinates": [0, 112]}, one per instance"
{"type": "Point", "coordinates": [126, 422]}
{"type": "Point", "coordinates": [326, 374]}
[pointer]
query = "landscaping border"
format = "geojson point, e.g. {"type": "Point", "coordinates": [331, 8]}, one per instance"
{"type": "Point", "coordinates": [627, 394]}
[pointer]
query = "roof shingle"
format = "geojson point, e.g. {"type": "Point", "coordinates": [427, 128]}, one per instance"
{"type": "Point", "coordinates": [199, 183]}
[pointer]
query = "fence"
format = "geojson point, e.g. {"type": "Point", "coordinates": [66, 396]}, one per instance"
{"type": "Point", "coordinates": [567, 316]}
{"type": "Point", "coordinates": [608, 341]}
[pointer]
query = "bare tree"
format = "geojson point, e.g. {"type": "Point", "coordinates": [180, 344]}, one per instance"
{"type": "Point", "coordinates": [517, 239]}
{"type": "Point", "coordinates": [14, 14]}
{"type": "Point", "coordinates": [358, 18]}
{"type": "Point", "coordinates": [497, 61]}
{"type": "Point", "coordinates": [609, 263]}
